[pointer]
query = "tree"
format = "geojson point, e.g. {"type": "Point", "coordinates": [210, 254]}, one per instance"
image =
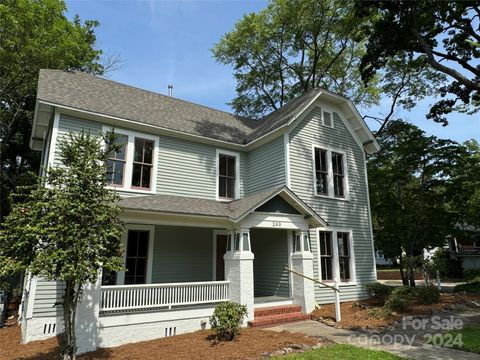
{"type": "Point", "coordinates": [408, 181]}
{"type": "Point", "coordinates": [68, 230]}
{"type": "Point", "coordinates": [34, 35]}
{"type": "Point", "coordinates": [290, 47]}
{"type": "Point", "coordinates": [442, 34]}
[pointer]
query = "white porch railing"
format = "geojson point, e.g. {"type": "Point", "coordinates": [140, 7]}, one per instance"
{"type": "Point", "coordinates": [137, 297]}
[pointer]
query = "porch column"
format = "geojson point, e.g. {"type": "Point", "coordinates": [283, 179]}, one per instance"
{"type": "Point", "coordinates": [88, 314]}
{"type": "Point", "coordinates": [302, 262]}
{"type": "Point", "coordinates": [239, 269]}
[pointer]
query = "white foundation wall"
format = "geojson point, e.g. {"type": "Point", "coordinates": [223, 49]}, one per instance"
{"type": "Point", "coordinates": [41, 328]}
{"type": "Point", "coordinates": [116, 330]}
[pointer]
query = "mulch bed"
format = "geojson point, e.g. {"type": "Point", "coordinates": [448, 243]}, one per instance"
{"type": "Point", "coordinates": [251, 344]}
{"type": "Point", "coordinates": [355, 313]}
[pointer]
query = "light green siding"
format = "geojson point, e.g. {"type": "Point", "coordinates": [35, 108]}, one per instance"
{"type": "Point", "coordinates": [46, 295]}
{"type": "Point", "coordinates": [270, 248]}
{"type": "Point", "coordinates": [182, 254]}
{"type": "Point", "coordinates": [186, 168]}
{"type": "Point", "coordinates": [266, 166]}
{"type": "Point", "coordinates": [352, 214]}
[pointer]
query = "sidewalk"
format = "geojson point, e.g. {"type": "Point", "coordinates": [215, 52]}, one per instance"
{"type": "Point", "coordinates": [415, 351]}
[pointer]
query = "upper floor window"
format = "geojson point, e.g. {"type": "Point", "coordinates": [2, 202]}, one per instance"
{"type": "Point", "coordinates": [133, 166]}
{"type": "Point", "coordinates": [142, 163]}
{"type": "Point", "coordinates": [330, 173]}
{"type": "Point", "coordinates": [327, 119]}
{"type": "Point", "coordinates": [227, 181]}
{"type": "Point", "coordinates": [116, 163]}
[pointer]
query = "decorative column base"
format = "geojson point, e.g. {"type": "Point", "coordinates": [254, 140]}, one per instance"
{"type": "Point", "coordinates": [239, 271]}
{"type": "Point", "coordinates": [303, 289]}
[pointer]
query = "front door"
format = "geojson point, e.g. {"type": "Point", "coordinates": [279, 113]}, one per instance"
{"type": "Point", "coordinates": [221, 249]}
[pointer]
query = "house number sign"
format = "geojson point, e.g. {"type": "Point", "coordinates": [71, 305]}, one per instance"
{"type": "Point", "coordinates": [276, 223]}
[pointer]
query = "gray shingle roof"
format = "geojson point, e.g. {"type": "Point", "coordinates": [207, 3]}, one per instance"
{"type": "Point", "coordinates": [92, 93]}
{"type": "Point", "coordinates": [233, 210]}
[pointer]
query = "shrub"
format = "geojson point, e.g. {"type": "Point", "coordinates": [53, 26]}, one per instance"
{"type": "Point", "coordinates": [400, 298]}
{"type": "Point", "coordinates": [472, 275]}
{"type": "Point", "coordinates": [227, 318]}
{"type": "Point", "coordinates": [379, 292]}
{"type": "Point", "coordinates": [471, 287]}
{"type": "Point", "coordinates": [378, 312]}
{"type": "Point", "coordinates": [427, 295]}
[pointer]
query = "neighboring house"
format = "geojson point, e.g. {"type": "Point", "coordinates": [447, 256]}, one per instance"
{"type": "Point", "coordinates": [381, 260]}
{"type": "Point", "coordinates": [216, 206]}
{"type": "Point", "coordinates": [466, 246]}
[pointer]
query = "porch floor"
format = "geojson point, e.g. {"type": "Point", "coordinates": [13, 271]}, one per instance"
{"type": "Point", "coordinates": [261, 301]}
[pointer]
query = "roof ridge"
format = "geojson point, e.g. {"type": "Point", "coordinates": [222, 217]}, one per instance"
{"type": "Point", "coordinates": [76, 72]}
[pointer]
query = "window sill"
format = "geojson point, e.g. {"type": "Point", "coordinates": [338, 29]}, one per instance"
{"type": "Point", "coordinates": [346, 199]}
{"type": "Point", "coordinates": [133, 191]}
{"type": "Point", "coordinates": [341, 284]}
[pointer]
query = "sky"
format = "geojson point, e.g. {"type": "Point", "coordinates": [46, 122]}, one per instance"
{"type": "Point", "coordinates": [169, 42]}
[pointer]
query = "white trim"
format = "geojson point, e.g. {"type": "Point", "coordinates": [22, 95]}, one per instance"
{"type": "Point", "coordinates": [290, 252]}
{"type": "Point", "coordinates": [332, 126]}
{"type": "Point", "coordinates": [214, 252]}
{"type": "Point", "coordinates": [127, 176]}
{"type": "Point", "coordinates": [219, 152]}
{"type": "Point", "coordinates": [30, 295]}
{"type": "Point", "coordinates": [330, 195]}
{"type": "Point", "coordinates": [370, 224]}
{"type": "Point", "coordinates": [151, 240]}
{"type": "Point", "coordinates": [274, 221]}
{"type": "Point", "coordinates": [336, 268]}
{"type": "Point", "coordinates": [54, 139]}
{"type": "Point", "coordinates": [286, 144]}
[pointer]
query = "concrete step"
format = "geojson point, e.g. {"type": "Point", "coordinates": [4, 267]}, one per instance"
{"type": "Point", "coordinates": [276, 310]}
{"type": "Point", "coordinates": [278, 319]}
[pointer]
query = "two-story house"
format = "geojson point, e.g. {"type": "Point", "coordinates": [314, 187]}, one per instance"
{"type": "Point", "coordinates": [217, 207]}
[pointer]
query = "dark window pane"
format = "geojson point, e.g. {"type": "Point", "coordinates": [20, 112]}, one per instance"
{"type": "Point", "coordinates": [223, 165]}
{"type": "Point", "coordinates": [142, 247]}
{"type": "Point", "coordinates": [141, 267]}
{"type": "Point", "coordinates": [136, 174]}
{"type": "Point", "coordinates": [118, 172]}
{"type": "Point", "coordinates": [230, 188]}
{"type": "Point", "coordinates": [323, 160]}
{"type": "Point", "coordinates": [109, 171]}
{"type": "Point", "coordinates": [338, 185]}
{"type": "Point", "coordinates": [132, 243]}
{"type": "Point", "coordinates": [129, 280]}
{"type": "Point", "coordinates": [148, 156]}
{"type": "Point", "coordinates": [138, 154]}
{"type": "Point", "coordinates": [140, 280]}
{"type": "Point", "coordinates": [327, 268]}
{"type": "Point", "coordinates": [231, 166]}
{"type": "Point", "coordinates": [322, 183]}
{"type": "Point", "coordinates": [146, 176]}
{"type": "Point", "coordinates": [130, 267]}
{"type": "Point", "coordinates": [121, 140]}
{"type": "Point", "coordinates": [222, 187]}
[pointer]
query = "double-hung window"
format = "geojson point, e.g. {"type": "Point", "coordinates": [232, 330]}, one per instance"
{"type": "Point", "coordinates": [132, 166]}
{"type": "Point", "coordinates": [335, 257]}
{"type": "Point", "coordinates": [116, 162]}
{"type": "Point", "coordinates": [227, 176]}
{"type": "Point", "coordinates": [142, 163]}
{"type": "Point", "coordinates": [330, 173]}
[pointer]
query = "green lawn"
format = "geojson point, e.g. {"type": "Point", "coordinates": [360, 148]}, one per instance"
{"type": "Point", "coordinates": [342, 352]}
{"type": "Point", "coordinates": [470, 338]}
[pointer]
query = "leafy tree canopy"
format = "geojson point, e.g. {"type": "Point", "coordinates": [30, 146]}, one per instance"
{"type": "Point", "coordinates": [290, 47]}
{"type": "Point", "coordinates": [69, 229]}
{"type": "Point", "coordinates": [442, 34]}
{"type": "Point", "coordinates": [34, 35]}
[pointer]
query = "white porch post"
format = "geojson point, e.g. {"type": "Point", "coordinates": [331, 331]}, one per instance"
{"type": "Point", "coordinates": [239, 269]}
{"type": "Point", "coordinates": [302, 262]}
{"type": "Point", "coordinates": [88, 314]}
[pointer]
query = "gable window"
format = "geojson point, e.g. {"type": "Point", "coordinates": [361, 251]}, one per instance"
{"type": "Point", "coordinates": [338, 175]}
{"type": "Point", "coordinates": [326, 255]}
{"type": "Point", "coordinates": [330, 173]}
{"type": "Point", "coordinates": [134, 166]}
{"type": "Point", "coordinates": [228, 168]}
{"type": "Point", "coordinates": [327, 119]}
{"type": "Point", "coordinates": [321, 171]}
{"type": "Point", "coordinates": [335, 258]}
{"type": "Point", "coordinates": [142, 163]}
{"type": "Point", "coordinates": [343, 255]}
{"type": "Point", "coordinates": [116, 163]}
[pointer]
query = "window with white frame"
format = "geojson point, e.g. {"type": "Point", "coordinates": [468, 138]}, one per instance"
{"type": "Point", "coordinates": [335, 256]}
{"type": "Point", "coordinates": [330, 173]}
{"type": "Point", "coordinates": [227, 175]}
{"type": "Point", "coordinates": [327, 119]}
{"type": "Point", "coordinates": [132, 166]}
{"type": "Point", "coordinates": [136, 257]}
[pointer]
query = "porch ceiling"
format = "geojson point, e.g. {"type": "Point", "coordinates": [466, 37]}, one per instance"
{"type": "Point", "coordinates": [234, 211]}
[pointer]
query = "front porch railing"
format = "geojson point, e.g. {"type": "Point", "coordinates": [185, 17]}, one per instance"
{"type": "Point", "coordinates": [168, 295]}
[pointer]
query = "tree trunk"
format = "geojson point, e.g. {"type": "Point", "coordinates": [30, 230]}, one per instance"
{"type": "Point", "coordinates": [69, 346]}
{"type": "Point", "coordinates": [402, 272]}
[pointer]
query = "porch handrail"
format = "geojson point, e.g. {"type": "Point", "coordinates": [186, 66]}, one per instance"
{"type": "Point", "coordinates": [162, 295]}
{"type": "Point", "coordinates": [312, 279]}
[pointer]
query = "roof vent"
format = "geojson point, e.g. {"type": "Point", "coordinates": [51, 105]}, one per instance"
{"type": "Point", "coordinates": [170, 90]}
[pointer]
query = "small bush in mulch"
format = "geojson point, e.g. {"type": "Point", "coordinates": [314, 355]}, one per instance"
{"type": "Point", "coordinates": [470, 287]}
{"type": "Point", "coordinates": [427, 295]}
{"type": "Point", "coordinates": [227, 318]}
{"type": "Point", "coordinates": [379, 292]}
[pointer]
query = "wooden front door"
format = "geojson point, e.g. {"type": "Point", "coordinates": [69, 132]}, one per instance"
{"type": "Point", "coordinates": [221, 249]}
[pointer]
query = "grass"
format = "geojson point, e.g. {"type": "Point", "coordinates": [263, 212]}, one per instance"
{"type": "Point", "coordinates": [470, 339]}
{"type": "Point", "coordinates": [343, 352]}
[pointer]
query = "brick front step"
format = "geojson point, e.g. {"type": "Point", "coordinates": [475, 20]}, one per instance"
{"type": "Point", "coordinates": [276, 310]}
{"type": "Point", "coordinates": [277, 319]}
